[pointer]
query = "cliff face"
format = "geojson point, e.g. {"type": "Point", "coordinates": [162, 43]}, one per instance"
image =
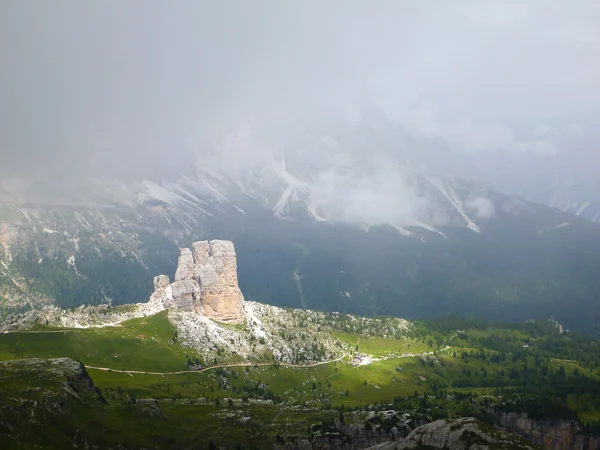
{"type": "Point", "coordinates": [35, 389]}
{"type": "Point", "coordinates": [466, 433]}
{"type": "Point", "coordinates": [205, 283]}
{"type": "Point", "coordinates": [552, 434]}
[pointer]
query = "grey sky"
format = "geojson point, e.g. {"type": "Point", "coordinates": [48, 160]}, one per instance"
{"type": "Point", "coordinates": [131, 85]}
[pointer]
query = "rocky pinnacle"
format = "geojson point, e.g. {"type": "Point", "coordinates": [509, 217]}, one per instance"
{"type": "Point", "coordinates": [205, 282]}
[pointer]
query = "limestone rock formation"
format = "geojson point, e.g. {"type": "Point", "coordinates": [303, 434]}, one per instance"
{"type": "Point", "coordinates": [466, 433]}
{"type": "Point", "coordinates": [161, 281]}
{"type": "Point", "coordinates": [162, 297]}
{"type": "Point", "coordinates": [185, 265]}
{"type": "Point", "coordinates": [216, 271]}
{"type": "Point", "coordinates": [205, 282]}
{"type": "Point", "coordinates": [186, 295]}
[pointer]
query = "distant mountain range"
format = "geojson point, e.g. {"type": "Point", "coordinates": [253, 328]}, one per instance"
{"type": "Point", "coordinates": [325, 217]}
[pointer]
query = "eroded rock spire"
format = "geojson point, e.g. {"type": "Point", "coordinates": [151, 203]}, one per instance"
{"type": "Point", "coordinates": [205, 282]}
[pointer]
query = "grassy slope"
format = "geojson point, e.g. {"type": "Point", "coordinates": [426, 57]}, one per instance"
{"type": "Point", "coordinates": [147, 344]}
{"type": "Point", "coordinates": [138, 344]}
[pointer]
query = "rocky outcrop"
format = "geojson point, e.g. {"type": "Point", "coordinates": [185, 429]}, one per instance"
{"type": "Point", "coordinates": [90, 316]}
{"type": "Point", "coordinates": [185, 265]}
{"type": "Point", "coordinates": [216, 270]}
{"type": "Point", "coordinates": [163, 292]}
{"type": "Point", "coordinates": [63, 380]}
{"type": "Point", "coordinates": [466, 433]}
{"type": "Point", "coordinates": [552, 434]}
{"type": "Point", "coordinates": [39, 398]}
{"type": "Point", "coordinates": [205, 283]}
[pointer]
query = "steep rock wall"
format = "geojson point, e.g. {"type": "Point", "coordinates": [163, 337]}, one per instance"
{"type": "Point", "coordinates": [205, 282]}
{"type": "Point", "coordinates": [552, 434]}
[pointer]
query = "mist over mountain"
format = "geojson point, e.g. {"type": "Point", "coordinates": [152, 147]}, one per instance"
{"type": "Point", "coordinates": [320, 224]}
{"type": "Point", "coordinates": [392, 158]}
{"type": "Point", "coordinates": [299, 224]}
{"type": "Point", "coordinates": [503, 93]}
{"type": "Point", "coordinates": [363, 171]}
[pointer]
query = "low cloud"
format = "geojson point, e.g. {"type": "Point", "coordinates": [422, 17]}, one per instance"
{"type": "Point", "coordinates": [380, 193]}
{"type": "Point", "coordinates": [143, 89]}
{"type": "Point", "coordinates": [482, 207]}
{"type": "Point", "coordinates": [465, 135]}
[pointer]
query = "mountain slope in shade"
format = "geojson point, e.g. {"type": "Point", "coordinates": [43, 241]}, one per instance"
{"type": "Point", "coordinates": [320, 226]}
{"type": "Point", "coordinates": [572, 197]}
{"type": "Point", "coordinates": [344, 173]}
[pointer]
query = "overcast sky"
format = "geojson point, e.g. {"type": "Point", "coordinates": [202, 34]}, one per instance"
{"type": "Point", "coordinates": [134, 84]}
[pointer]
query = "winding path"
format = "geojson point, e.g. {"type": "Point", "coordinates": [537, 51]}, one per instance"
{"type": "Point", "coordinates": [38, 331]}
{"type": "Point", "coordinates": [246, 364]}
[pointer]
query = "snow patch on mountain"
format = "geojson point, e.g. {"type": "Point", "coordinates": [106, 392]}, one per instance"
{"type": "Point", "coordinates": [557, 227]}
{"type": "Point", "coordinates": [351, 173]}
{"type": "Point", "coordinates": [158, 192]}
{"type": "Point", "coordinates": [455, 201]}
{"type": "Point", "coordinates": [582, 208]}
{"type": "Point", "coordinates": [294, 193]}
{"type": "Point", "coordinates": [430, 228]}
{"type": "Point", "coordinates": [181, 190]}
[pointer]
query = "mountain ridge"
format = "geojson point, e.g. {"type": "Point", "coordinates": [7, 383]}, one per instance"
{"type": "Point", "coordinates": [291, 361]}
{"type": "Point", "coordinates": [461, 244]}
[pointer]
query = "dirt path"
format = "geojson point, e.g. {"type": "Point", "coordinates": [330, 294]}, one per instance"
{"type": "Point", "coordinates": [37, 331]}
{"type": "Point", "coordinates": [63, 330]}
{"type": "Point", "coordinates": [219, 366]}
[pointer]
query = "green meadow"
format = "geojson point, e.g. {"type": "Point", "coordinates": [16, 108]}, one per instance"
{"type": "Point", "coordinates": [444, 368]}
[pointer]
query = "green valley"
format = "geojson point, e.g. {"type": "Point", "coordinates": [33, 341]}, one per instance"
{"type": "Point", "coordinates": [446, 368]}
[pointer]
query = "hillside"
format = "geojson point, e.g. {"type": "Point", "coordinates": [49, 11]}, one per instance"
{"type": "Point", "coordinates": [317, 224]}
{"type": "Point", "coordinates": [157, 389]}
{"type": "Point", "coordinates": [164, 370]}
{"type": "Point", "coordinates": [526, 266]}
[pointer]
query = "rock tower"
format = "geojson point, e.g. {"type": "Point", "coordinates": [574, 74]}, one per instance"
{"type": "Point", "coordinates": [205, 283]}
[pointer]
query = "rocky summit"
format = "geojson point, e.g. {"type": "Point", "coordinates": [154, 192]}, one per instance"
{"type": "Point", "coordinates": [205, 283]}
